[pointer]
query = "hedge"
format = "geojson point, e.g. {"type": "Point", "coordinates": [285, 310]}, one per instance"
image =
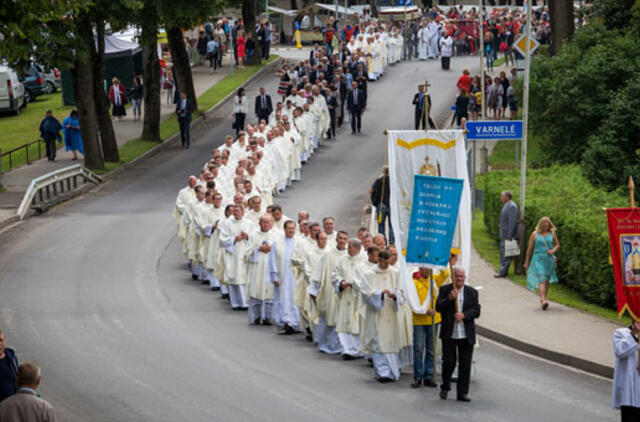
{"type": "Point", "coordinates": [574, 205]}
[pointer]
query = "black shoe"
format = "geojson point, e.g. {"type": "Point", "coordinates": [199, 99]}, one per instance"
{"type": "Point", "coordinates": [244, 308]}
{"type": "Point", "coordinates": [204, 281]}
{"type": "Point", "coordinates": [347, 357]}
{"type": "Point", "coordinates": [257, 321]}
{"type": "Point", "coordinates": [288, 329]}
{"type": "Point", "coordinates": [429, 383]}
{"type": "Point", "coordinates": [224, 296]}
{"type": "Point", "coordinates": [384, 380]}
{"type": "Point", "coordinates": [194, 277]}
{"type": "Point", "coordinates": [463, 397]}
{"type": "Point", "coordinates": [416, 384]}
{"type": "Point", "coordinates": [266, 322]}
{"type": "Point", "coordinates": [235, 308]}
{"type": "Point", "coordinates": [443, 394]}
{"type": "Point", "coordinates": [215, 288]}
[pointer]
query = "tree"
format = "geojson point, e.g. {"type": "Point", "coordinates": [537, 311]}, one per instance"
{"type": "Point", "coordinates": [149, 21]}
{"type": "Point", "coordinates": [562, 26]}
{"type": "Point", "coordinates": [249, 22]}
{"type": "Point", "coordinates": [614, 14]}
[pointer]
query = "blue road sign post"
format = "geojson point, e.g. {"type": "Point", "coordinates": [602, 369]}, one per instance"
{"type": "Point", "coordinates": [494, 130]}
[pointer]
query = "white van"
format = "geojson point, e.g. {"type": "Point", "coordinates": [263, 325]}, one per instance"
{"type": "Point", "coordinates": [11, 91]}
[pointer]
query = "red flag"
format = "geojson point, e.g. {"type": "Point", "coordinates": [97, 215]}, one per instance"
{"type": "Point", "coordinates": [624, 237]}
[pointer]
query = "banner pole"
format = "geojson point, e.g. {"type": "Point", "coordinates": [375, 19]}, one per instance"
{"type": "Point", "coordinates": [632, 187]}
{"type": "Point", "coordinates": [433, 327]}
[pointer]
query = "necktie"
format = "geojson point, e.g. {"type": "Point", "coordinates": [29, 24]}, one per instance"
{"type": "Point", "coordinates": [264, 104]}
{"type": "Point", "coordinates": [355, 96]}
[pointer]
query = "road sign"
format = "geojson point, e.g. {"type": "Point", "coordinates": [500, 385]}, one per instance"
{"type": "Point", "coordinates": [521, 45]}
{"type": "Point", "coordinates": [494, 130]}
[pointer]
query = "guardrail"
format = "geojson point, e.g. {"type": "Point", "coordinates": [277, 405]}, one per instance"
{"type": "Point", "coordinates": [54, 187]}
{"type": "Point", "coordinates": [26, 147]}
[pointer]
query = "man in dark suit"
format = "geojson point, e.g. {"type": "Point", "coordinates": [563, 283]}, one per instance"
{"type": "Point", "coordinates": [332, 104]}
{"type": "Point", "coordinates": [355, 105]}
{"type": "Point", "coordinates": [420, 100]}
{"type": "Point", "coordinates": [508, 229]}
{"type": "Point", "coordinates": [458, 305]}
{"type": "Point", "coordinates": [263, 106]}
{"type": "Point", "coordinates": [312, 54]}
{"type": "Point", "coordinates": [360, 76]}
{"type": "Point", "coordinates": [341, 84]}
{"type": "Point", "coordinates": [184, 109]}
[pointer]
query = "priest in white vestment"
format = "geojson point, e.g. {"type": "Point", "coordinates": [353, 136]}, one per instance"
{"type": "Point", "coordinates": [348, 316]}
{"type": "Point", "coordinates": [382, 297]}
{"type": "Point", "coordinates": [423, 42]}
{"type": "Point", "coordinates": [324, 296]}
{"type": "Point", "coordinates": [212, 240]}
{"type": "Point", "coordinates": [192, 239]}
{"type": "Point", "coordinates": [259, 286]}
{"type": "Point", "coordinates": [185, 195]}
{"type": "Point", "coordinates": [306, 258]}
{"type": "Point", "coordinates": [626, 375]}
{"type": "Point", "coordinates": [234, 238]}
{"type": "Point", "coordinates": [285, 312]}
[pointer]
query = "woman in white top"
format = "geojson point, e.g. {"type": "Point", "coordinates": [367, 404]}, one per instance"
{"type": "Point", "coordinates": [240, 109]}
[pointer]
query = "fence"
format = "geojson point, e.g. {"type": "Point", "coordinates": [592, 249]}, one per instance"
{"type": "Point", "coordinates": [54, 187]}
{"type": "Point", "coordinates": [24, 154]}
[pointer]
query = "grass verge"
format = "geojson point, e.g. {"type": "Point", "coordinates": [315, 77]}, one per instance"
{"type": "Point", "coordinates": [490, 252]}
{"type": "Point", "coordinates": [169, 126]}
{"type": "Point", "coordinates": [503, 155]}
{"type": "Point", "coordinates": [24, 128]}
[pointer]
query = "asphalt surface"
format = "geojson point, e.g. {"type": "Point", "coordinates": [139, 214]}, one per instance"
{"type": "Point", "coordinates": [97, 292]}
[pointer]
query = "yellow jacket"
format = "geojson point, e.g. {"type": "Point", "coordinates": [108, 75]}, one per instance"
{"type": "Point", "coordinates": [422, 287]}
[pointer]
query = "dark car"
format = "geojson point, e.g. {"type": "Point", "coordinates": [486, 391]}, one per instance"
{"type": "Point", "coordinates": [34, 82]}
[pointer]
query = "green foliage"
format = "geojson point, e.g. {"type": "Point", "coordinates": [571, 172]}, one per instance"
{"type": "Point", "coordinates": [189, 13]}
{"type": "Point", "coordinates": [614, 14]}
{"type": "Point", "coordinates": [563, 194]}
{"type": "Point", "coordinates": [614, 148]}
{"type": "Point", "coordinates": [570, 90]}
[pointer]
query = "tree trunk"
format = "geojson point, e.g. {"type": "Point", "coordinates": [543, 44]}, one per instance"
{"type": "Point", "coordinates": [249, 20]}
{"type": "Point", "coordinates": [151, 64]}
{"type": "Point", "coordinates": [373, 8]}
{"type": "Point", "coordinates": [83, 89]}
{"type": "Point", "coordinates": [105, 125]}
{"type": "Point", "coordinates": [561, 23]}
{"type": "Point", "coordinates": [181, 64]}
{"type": "Point", "coordinates": [294, 6]}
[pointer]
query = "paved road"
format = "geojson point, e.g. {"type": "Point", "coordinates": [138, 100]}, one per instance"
{"type": "Point", "coordinates": [97, 292]}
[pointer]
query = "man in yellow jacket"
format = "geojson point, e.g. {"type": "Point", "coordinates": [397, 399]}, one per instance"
{"type": "Point", "coordinates": [423, 334]}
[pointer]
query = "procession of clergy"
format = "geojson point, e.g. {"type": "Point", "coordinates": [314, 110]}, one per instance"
{"type": "Point", "coordinates": [303, 276]}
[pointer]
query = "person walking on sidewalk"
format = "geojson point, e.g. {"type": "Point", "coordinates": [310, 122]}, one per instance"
{"type": "Point", "coordinates": [458, 304]}
{"type": "Point", "coordinates": [184, 108]}
{"type": "Point", "coordinates": [72, 136]}
{"type": "Point", "coordinates": [8, 369]}
{"type": "Point", "coordinates": [380, 200]}
{"type": "Point", "coordinates": [540, 262]}
{"type": "Point", "coordinates": [118, 98]}
{"type": "Point", "coordinates": [626, 376]}
{"type": "Point", "coordinates": [136, 94]}
{"type": "Point", "coordinates": [508, 229]}
{"type": "Point", "coordinates": [50, 132]}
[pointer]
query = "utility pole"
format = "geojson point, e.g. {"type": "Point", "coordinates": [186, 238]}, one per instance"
{"type": "Point", "coordinates": [523, 150]}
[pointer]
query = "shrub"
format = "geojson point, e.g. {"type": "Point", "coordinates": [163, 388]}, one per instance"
{"type": "Point", "coordinates": [574, 206]}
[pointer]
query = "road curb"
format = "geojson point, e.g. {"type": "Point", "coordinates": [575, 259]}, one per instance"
{"type": "Point", "coordinates": [9, 221]}
{"type": "Point", "coordinates": [196, 122]}
{"type": "Point", "coordinates": [551, 355]}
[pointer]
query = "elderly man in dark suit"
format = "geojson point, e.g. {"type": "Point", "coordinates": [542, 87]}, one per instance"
{"type": "Point", "coordinates": [459, 307]}
{"type": "Point", "coordinates": [263, 106]}
{"type": "Point", "coordinates": [355, 105]}
{"type": "Point", "coordinates": [508, 229]}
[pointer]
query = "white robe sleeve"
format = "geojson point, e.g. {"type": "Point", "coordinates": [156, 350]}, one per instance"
{"type": "Point", "coordinates": [624, 345]}
{"type": "Point", "coordinates": [274, 269]}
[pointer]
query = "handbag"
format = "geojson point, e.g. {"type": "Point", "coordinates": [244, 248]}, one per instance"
{"type": "Point", "coordinates": [553, 257]}
{"type": "Point", "coordinates": [511, 248]}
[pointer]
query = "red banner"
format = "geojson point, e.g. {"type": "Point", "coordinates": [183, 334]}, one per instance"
{"type": "Point", "coordinates": [624, 237]}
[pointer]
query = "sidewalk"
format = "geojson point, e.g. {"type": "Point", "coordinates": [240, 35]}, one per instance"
{"type": "Point", "coordinates": [17, 180]}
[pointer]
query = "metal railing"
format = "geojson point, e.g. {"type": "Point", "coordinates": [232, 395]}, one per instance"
{"type": "Point", "coordinates": [54, 187]}
{"type": "Point", "coordinates": [26, 148]}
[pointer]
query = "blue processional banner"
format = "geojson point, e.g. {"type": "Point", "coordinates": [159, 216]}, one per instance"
{"type": "Point", "coordinates": [436, 201]}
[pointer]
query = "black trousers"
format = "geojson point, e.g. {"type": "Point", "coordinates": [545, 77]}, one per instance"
{"type": "Point", "coordinates": [452, 351]}
{"type": "Point", "coordinates": [422, 118]}
{"type": "Point", "coordinates": [331, 133]}
{"type": "Point", "coordinates": [239, 123]}
{"type": "Point", "coordinates": [342, 103]}
{"type": "Point", "coordinates": [185, 132]}
{"type": "Point", "coordinates": [629, 414]}
{"type": "Point", "coordinates": [445, 62]}
{"type": "Point", "coordinates": [356, 121]}
{"type": "Point", "coordinates": [264, 116]}
{"type": "Point", "coordinates": [265, 50]}
{"type": "Point", "coordinates": [50, 145]}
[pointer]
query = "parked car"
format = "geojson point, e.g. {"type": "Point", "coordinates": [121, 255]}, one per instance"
{"type": "Point", "coordinates": [54, 79]}
{"type": "Point", "coordinates": [12, 92]}
{"type": "Point", "coordinates": [34, 83]}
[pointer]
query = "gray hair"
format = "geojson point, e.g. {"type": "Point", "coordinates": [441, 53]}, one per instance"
{"type": "Point", "coordinates": [458, 268]}
{"type": "Point", "coordinates": [355, 242]}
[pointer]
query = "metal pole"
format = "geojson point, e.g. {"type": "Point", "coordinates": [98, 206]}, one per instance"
{"type": "Point", "coordinates": [481, 29]}
{"type": "Point", "coordinates": [433, 326]}
{"type": "Point", "coordinates": [267, 9]}
{"type": "Point", "coordinates": [231, 55]}
{"type": "Point", "coordinates": [337, 15]}
{"type": "Point", "coordinates": [345, 13]}
{"type": "Point", "coordinates": [517, 152]}
{"type": "Point", "coordinates": [525, 115]}
{"type": "Point", "coordinates": [473, 166]}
